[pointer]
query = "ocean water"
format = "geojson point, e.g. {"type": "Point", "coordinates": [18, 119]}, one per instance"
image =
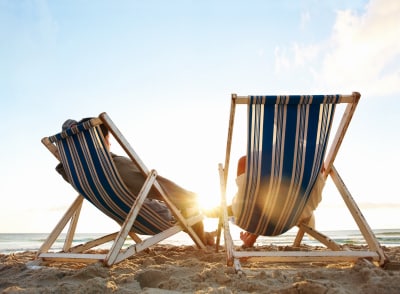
{"type": "Point", "coordinates": [19, 242]}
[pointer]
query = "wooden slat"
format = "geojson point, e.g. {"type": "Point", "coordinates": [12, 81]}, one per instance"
{"type": "Point", "coordinates": [135, 248]}
{"type": "Point", "coordinates": [72, 257]}
{"type": "Point", "coordinates": [72, 227]}
{"type": "Point", "coordinates": [93, 243]}
{"type": "Point", "coordinates": [343, 99]}
{"type": "Point", "coordinates": [229, 245]}
{"type": "Point", "coordinates": [135, 237]}
{"type": "Point", "coordinates": [340, 133]}
{"type": "Point", "coordinates": [130, 218]}
{"type": "Point", "coordinates": [61, 225]}
{"type": "Point", "coordinates": [305, 256]}
{"type": "Point", "coordinates": [223, 170]}
{"type": "Point", "coordinates": [230, 134]}
{"type": "Point", "coordinates": [52, 148]}
{"type": "Point", "coordinates": [357, 215]}
{"type": "Point", "coordinates": [124, 143]}
{"type": "Point", "coordinates": [328, 242]}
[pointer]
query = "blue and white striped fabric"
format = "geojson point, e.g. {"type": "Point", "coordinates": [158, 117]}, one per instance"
{"type": "Point", "coordinates": [287, 138]}
{"type": "Point", "coordinates": [91, 171]}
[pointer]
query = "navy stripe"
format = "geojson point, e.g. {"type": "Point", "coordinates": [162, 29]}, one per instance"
{"type": "Point", "coordinates": [92, 173]}
{"type": "Point", "coordinates": [285, 151]}
{"type": "Point", "coordinates": [299, 99]}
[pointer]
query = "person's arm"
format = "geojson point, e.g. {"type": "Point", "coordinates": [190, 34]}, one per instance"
{"type": "Point", "coordinates": [61, 171]}
{"type": "Point", "coordinates": [241, 166]}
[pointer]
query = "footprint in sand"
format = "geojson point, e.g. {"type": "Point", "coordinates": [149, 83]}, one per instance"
{"type": "Point", "coordinates": [151, 278]}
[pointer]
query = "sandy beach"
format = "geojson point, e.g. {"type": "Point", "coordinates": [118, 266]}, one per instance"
{"type": "Point", "coordinates": [186, 269]}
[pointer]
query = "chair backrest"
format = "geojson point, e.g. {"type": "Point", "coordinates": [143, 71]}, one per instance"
{"type": "Point", "coordinates": [91, 171]}
{"type": "Point", "coordinates": [287, 139]}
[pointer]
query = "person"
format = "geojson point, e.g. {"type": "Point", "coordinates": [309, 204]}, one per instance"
{"type": "Point", "coordinates": [184, 200]}
{"type": "Point", "coordinates": [307, 215]}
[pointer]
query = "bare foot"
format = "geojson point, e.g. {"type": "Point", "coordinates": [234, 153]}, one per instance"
{"type": "Point", "coordinates": [248, 239]}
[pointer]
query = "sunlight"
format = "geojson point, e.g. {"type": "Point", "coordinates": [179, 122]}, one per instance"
{"type": "Point", "coordinates": [208, 201]}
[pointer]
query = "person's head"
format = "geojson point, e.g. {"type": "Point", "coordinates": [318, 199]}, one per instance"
{"type": "Point", "coordinates": [104, 131]}
{"type": "Point", "coordinates": [71, 122]}
{"type": "Point", "coordinates": [103, 128]}
{"type": "Point", "coordinates": [68, 123]}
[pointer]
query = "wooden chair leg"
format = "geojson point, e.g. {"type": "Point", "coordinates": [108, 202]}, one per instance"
{"type": "Point", "coordinates": [61, 225]}
{"type": "Point", "coordinates": [72, 228]}
{"type": "Point", "coordinates": [130, 219]}
{"type": "Point", "coordinates": [358, 217]}
{"type": "Point", "coordinates": [299, 237]}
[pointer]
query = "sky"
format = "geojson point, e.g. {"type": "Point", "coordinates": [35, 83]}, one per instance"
{"type": "Point", "coordinates": [164, 71]}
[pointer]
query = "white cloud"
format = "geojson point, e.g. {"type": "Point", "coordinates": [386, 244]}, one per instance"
{"type": "Point", "coordinates": [303, 54]}
{"type": "Point", "coordinates": [297, 57]}
{"type": "Point", "coordinates": [362, 53]}
{"type": "Point", "coordinates": [305, 19]}
{"type": "Point", "coordinates": [363, 49]}
{"type": "Point", "coordinates": [282, 62]}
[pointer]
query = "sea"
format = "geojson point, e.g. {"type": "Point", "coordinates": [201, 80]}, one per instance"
{"type": "Point", "coordinates": [21, 242]}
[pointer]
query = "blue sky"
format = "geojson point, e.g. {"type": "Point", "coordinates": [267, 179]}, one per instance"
{"type": "Point", "coordinates": [164, 71]}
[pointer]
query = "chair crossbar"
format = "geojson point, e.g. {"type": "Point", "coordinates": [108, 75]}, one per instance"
{"type": "Point", "coordinates": [299, 99]}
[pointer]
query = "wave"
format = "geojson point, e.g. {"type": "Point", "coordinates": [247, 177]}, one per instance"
{"type": "Point", "coordinates": [19, 242]}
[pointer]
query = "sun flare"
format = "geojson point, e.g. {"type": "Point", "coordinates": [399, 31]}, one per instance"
{"type": "Point", "coordinates": [208, 201]}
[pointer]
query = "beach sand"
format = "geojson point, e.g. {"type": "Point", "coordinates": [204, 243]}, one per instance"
{"type": "Point", "coordinates": [186, 269]}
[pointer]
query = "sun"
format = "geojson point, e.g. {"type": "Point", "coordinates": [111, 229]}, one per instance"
{"type": "Point", "coordinates": [208, 201]}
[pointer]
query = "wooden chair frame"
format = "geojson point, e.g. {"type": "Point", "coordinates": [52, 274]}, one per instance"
{"type": "Point", "coordinates": [116, 253]}
{"type": "Point", "coordinates": [336, 252]}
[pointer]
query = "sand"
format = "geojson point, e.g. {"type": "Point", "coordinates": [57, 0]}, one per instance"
{"type": "Point", "coordinates": [186, 269]}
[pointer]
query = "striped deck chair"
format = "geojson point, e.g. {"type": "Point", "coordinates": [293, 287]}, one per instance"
{"type": "Point", "coordinates": [287, 137]}
{"type": "Point", "coordinates": [90, 168]}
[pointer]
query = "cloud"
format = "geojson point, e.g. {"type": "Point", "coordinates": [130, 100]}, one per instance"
{"type": "Point", "coordinates": [282, 61]}
{"type": "Point", "coordinates": [299, 57]}
{"type": "Point", "coordinates": [303, 54]}
{"type": "Point", "coordinates": [364, 50]}
{"type": "Point", "coordinates": [361, 53]}
{"type": "Point", "coordinates": [305, 19]}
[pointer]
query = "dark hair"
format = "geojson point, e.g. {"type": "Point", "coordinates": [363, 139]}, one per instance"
{"type": "Point", "coordinates": [103, 128]}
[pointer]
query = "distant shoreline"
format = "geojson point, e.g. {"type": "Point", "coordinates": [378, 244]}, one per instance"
{"type": "Point", "coordinates": [21, 242]}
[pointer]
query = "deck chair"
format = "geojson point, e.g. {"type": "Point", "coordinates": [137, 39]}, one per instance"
{"type": "Point", "coordinates": [287, 137]}
{"type": "Point", "coordinates": [90, 168]}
